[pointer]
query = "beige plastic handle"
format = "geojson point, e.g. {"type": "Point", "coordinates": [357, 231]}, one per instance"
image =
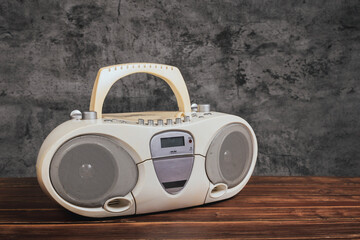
{"type": "Point", "coordinates": [107, 76]}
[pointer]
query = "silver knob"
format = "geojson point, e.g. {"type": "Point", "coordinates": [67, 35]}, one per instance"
{"type": "Point", "coordinates": [76, 114]}
{"type": "Point", "coordinates": [178, 120]}
{"type": "Point", "coordinates": [204, 107]}
{"type": "Point", "coordinates": [141, 121]}
{"type": "Point", "coordinates": [160, 122]}
{"type": "Point", "coordinates": [90, 115]}
{"type": "Point", "coordinates": [150, 122]}
{"type": "Point", "coordinates": [187, 119]}
{"type": "Point", "coordinates": [194, 107]}
{"type": "Point", "coordinates": [169, 122]}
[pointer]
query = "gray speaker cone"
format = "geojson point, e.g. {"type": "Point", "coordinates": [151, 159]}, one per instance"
{"type": "Point", "coordinates": [229, 157]}
{"type": "Point", "coordinates": [88, 170]}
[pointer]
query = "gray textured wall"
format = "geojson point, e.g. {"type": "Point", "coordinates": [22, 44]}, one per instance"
{"type": "Point", "coordinates": [290, 68]}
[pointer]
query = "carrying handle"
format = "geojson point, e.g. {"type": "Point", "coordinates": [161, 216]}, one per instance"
{"type": "Point", "coordinates": [107, 76]}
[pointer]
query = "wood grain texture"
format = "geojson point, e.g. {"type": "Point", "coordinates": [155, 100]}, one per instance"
{"type": "Point", "coordinates": [267, 208]}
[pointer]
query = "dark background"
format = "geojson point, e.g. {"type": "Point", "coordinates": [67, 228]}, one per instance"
{"type": "Point", "coordinates": [290, 68]}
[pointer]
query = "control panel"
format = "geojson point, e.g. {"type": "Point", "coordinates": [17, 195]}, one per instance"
{"type": "Point", "coordinates": [198, 111]}
{"type": "Point", "coordinates": [171, 143]}
{"type": "Point", "coordinates": [172, 154]}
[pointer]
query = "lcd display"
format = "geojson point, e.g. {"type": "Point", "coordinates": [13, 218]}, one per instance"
{"type": "Point", "coordinates": [172, 142]}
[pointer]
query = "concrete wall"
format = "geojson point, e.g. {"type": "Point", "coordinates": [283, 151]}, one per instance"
{"type": "Point", "coordinates": [290, 68]}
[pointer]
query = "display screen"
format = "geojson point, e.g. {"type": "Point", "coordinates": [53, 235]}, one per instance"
{"type": "Point", "coordinates": [172, 142]}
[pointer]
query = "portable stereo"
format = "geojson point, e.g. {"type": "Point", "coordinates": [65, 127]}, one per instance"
{"type": "Point", "coordinates": [104, 165]}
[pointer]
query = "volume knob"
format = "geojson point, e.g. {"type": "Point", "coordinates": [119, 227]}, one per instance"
{"type": "Point", "coordinates": [89, 115]}
{"type": "Point", "coordinates": [204, 108]}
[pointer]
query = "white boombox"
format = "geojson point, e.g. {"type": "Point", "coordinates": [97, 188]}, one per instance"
{"type": "Point", "coordinates": [104, 165]}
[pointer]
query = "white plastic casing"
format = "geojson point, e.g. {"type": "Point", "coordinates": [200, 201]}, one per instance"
{"type": "Point", "coordinates": [148, 194]}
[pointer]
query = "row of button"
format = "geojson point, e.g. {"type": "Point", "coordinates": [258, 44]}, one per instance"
{"type": "Point", "coordinates": [160, 122]}
{"type": "Point", "coordinates": [115, 120]}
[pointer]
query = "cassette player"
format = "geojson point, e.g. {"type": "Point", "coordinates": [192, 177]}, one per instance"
{"type": "Point", "coordinates": [115, 164]}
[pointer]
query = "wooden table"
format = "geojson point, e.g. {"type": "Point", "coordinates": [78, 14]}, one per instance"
{"type": "Point", "coordinates": [267, 208]}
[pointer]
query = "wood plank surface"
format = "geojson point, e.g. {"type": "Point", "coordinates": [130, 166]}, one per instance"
{"type": "Point", "coordinates": [267, 208]}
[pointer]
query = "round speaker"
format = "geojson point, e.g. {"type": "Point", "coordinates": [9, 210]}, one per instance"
{"type": "Point", "coordinates": [88, 170]}
{"type": "Point", "coordinates": [229, 156]}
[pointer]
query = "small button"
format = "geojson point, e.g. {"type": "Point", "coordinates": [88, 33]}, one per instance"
{"type": "Point", "coordinates": [169, 122]}
{"type": "Point", "coordinates": [150, 122]}
{"type": "Point", "coordinates": [187, 119]}
{"type": "Point", "coordinates": [141, 121]}
{"type": "Point", "coordinates": [160, 122]}
{"type": "Point", "coordinates": [194, 107]}
{"type": "Point", "coordinates": [76, 115]}
{"type": "Point", "coordinates": [208, 113]}
{"type": "Point", "coordinates": [178, 121]}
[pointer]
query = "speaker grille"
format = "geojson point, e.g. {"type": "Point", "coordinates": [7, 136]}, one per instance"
{"type": "Point", "coordinates": [229, 156]}
{"type": "Point", "coordinates": [89, 169]}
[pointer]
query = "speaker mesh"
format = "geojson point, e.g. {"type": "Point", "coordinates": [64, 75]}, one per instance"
{"type": "Point", "coordinates": [89, 169]}
{"type": "Point", "coordinates": [229, 156]}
